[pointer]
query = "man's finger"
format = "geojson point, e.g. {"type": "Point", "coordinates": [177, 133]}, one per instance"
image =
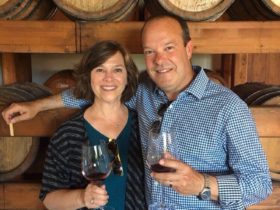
{"type": "Point", "coordinates": [168, 155]}
{"type": "Point", "coordinates": [18, 118]}
{"type": "Point", "coordinates": [171, 163]}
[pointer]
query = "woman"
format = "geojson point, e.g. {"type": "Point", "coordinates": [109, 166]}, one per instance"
{"type": "Point", "coordinates": [108, 77]}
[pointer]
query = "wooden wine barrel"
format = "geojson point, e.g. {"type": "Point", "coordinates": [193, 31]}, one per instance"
{"type": "Point", "coordinates": [26, 9]}
{"type": "Point", "coordinates": [214, 76]}
{"type": "Point", "coordinates": [18, 153]}
{"type": "Point", "coordinates": [262, 94]}
{"type": "Point", "coordinates": [255, 10]}
{"type": "Point", "coordinates": [60, 81]}
{"type": "Point", "coordinates": [258, 93]}
{"type": "Point", "coordinates": [109, 10]}
{"type": "Point", "coordinates": [196, 10]}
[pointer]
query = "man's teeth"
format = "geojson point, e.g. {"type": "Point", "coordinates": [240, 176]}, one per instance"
{"type": "Point", "coordinates": [163, 70]}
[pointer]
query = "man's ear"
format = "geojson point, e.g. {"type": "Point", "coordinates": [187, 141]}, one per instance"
{"type": "Point", "coordinates": [189, 49]}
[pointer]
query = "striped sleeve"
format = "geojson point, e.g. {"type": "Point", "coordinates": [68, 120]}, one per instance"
{"type": "Point", "coordinates": [56, 173]}
{"type": "Point", "coordinates": [62, 168]}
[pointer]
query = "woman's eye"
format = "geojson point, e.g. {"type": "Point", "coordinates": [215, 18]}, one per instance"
{"type": "Point", "coordinates": [118, 70]}
{"type": "Point", "coordinates": [98, 69]}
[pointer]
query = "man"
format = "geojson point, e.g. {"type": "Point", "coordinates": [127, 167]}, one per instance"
{"type": "Point", "coordinates": [221, 164]}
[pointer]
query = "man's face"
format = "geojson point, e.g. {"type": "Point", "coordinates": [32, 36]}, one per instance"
{"type": "Point", "coordinates": [166, 57]}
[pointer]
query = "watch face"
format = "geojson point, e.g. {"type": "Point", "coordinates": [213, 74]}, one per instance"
{"type": "Point", "coordinates": [205, 194]}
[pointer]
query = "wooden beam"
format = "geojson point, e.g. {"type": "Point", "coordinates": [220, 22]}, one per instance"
{"type": "Point", "coordinates": [267, 120]}
{"type": "Point", "coordinates": [37, 36]}
{"type": "Point", "coordinates": [21, 196]}
{"type": "Point", "coordinates": [208, 37]}
{"type": "Point", "coordinates": [240, 69]}
{"type": "Point", "coordinates": [126, 33]}
{"type": "Point", "coordinates": [44, 124]}
{"type": "Point", "coordinates": [16, 67]}
{"type": "Point", "coordinates": [227, 64]}
{"type": "Point", "coordinates": [235, 37]}
{"type": "Point", "coordinates": [25, 196]}
{"type": "Point", "coordinates": [2, 197]}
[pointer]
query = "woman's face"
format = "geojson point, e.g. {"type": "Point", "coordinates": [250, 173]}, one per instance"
{"type": "Point", "coordinates": [109, 80]}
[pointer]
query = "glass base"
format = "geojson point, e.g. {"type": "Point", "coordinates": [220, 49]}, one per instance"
{"type": "Point", "coordinates": [161, 206]}
{"type": "Point", "coordinates": [105, 208]}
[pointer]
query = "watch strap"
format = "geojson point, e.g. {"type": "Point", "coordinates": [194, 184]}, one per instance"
{"type": "Point", "coordinates": [206, 181]}
{"type": "Point", "coordinates": [205, 194]}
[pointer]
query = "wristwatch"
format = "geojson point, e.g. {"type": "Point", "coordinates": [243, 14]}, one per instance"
{"type": "Point", "coordinates": [205, 194]}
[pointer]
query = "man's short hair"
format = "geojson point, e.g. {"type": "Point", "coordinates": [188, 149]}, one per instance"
{"type": "Point", "coordinates": [183, 24]}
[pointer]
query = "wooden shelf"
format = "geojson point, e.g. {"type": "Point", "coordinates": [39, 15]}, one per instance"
{"type": "Point", "coordinates": [38, 37]}
{"type": "Point", "coordinates": [46, 122]}
{"type": "Point", "coordinates": [75, 37]}
{"type": "Point", "coordinates": [25, 196]}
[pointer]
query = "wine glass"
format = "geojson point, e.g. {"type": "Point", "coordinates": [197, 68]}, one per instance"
{"type": "Point", "coordinates": [96, 164]}
{"type": "Point", "coordinates": [158, 144]}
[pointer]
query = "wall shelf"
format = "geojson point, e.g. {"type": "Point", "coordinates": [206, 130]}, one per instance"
{"type": "Point", "coordinates": [74, 37]}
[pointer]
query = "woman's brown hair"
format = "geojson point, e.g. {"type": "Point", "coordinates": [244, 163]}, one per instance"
{"type": "Point", "coordinates": [96, 56]}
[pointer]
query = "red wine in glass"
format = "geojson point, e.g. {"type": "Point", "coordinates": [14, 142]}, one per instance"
{"type": "Point", "coordinates": [157, 145]}
{"type": "Point", "coordinates": [96, 164]}
{"type": "Point", "coordinates": [161, 169]}
{"type": "Point", "coordinates": [99, 176]}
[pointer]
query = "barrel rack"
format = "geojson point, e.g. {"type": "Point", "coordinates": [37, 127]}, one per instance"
{"type": "Point", "coordinates": [20, 38]}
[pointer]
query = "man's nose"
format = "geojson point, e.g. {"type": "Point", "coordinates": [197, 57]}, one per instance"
{"type": "Point", "coordinates": [159, 58]}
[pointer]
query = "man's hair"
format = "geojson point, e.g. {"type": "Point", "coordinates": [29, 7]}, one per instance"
{"type": "Point", "coordinates": [96, 56]}
{"type": "Point", "coordinates": [183, 24]}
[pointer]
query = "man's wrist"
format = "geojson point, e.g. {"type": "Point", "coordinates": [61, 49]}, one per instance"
{"type": "Point", "coordinates": [205, 193]}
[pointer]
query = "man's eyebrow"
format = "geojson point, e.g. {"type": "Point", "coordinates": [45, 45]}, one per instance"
{"type": "Point", "coordinates": [171, 42]}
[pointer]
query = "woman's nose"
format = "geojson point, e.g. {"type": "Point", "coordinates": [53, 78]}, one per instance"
{"type": "Point", "coordinates": [108, 75]}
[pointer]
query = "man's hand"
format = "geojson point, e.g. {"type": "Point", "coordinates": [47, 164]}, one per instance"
{"type": "Point", "coordinates": [185, 180]}
{"type": "Point", "coordinates": [17, 112]}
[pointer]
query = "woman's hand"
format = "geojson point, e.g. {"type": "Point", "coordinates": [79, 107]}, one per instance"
{"type": "Point", "coordinates": [95, 196]}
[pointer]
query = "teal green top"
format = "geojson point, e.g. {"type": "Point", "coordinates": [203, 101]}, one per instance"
{"type": "Point", "coordinates": [115, 185]}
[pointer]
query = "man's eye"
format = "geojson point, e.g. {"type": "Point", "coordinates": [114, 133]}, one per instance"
{"type": "Point", "coordinates": [148, 52]}
{"type": "Point", "coordinates": [169, 48]}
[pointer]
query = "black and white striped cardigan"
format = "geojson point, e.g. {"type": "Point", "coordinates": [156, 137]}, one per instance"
{"type": "Point", "coordinates": [63, 161]}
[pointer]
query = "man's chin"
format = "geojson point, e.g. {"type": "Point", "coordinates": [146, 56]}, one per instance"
{"type": "Point", "coordinates": [165, 86]}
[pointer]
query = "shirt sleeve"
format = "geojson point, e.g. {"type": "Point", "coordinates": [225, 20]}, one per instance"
{"type": "Point", "coordinates": [131, 103]}
{"type": "Point", "coordinates": [70, 101]}
{"type": "Point", "coordinates": [250, 182]}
